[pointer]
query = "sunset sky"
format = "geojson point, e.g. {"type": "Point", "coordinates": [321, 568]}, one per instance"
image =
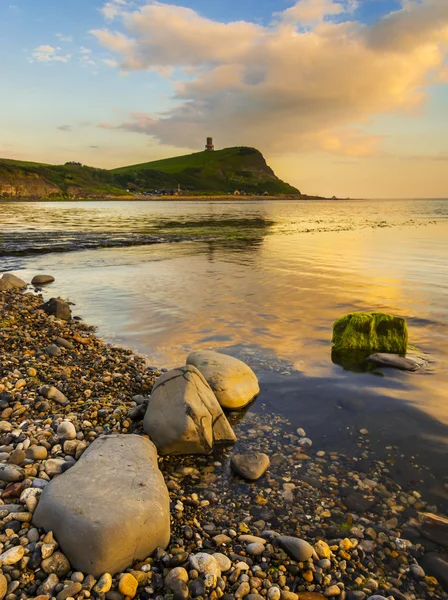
{"type": "Point", "coordinates": [344, 97]}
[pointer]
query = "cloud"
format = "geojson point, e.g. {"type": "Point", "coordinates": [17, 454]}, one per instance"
{"type": "Point", "coordinates": [64, 128]}
{"type": "Point", "coordinates": [281, 87]}
{"type": "Point", "coordinates": [64, 38]}
{"type": "Point", "coordinates": [47, 54]}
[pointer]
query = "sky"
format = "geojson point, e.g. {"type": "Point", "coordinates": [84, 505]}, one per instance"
{"type": "Point", "coordinates": [343, 97]}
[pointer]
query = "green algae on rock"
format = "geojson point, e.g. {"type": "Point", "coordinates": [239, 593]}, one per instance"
{"type": "Point", "coordinates": [370, 332]}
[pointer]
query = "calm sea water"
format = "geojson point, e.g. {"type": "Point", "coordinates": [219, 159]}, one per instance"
{"type": "Point", "coordinates": [265, 281]}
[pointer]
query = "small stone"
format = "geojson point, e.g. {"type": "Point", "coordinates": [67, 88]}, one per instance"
{"type": "Point", "coordinates": [52, 393]}
{"type": "Point", "coordinates": [243, 590]}
{"type": "Point", "coordinates": [197, 587]}
{"type": "Point", "coordinates": [57, 563]}
{"type": "Point", "coordinates": [295, 548]}
{"type": "Point", "coordinates": [250, 465]}
{"type": "Point", "coordinates": [417, 571]}
{"type": "Point", "coordinates": [333, 590]}
{"type": "Point", "coordinates": [37, 453]}
{"type": "Point", "coordinates": [53, 350]}
{"type": "Point", "coordinates": [12, 556]}
{"type": "Point", "coordinates": [174, 576]}
{"type": "Point", "coordinates": [363, 432]}
{"type": "Point", "coordinates": [322, 549]}
{"type": "Point", "coordinates": [255, 549]}
{"type": "Point", "coordinates": [11, 473]}
{"type": "Point", "coordinates": [47, 587]}
{"type": "Point", "coordinates": [69, 591]}
{"type": "Point", "coordinates": [3, 586]}
{"type": "Point", "coordinates": [223, 561]}
{"type": "Point", "coordinates": [274, 593]}
{"type": "Point", "coordinates": [66, 431]}
{"type": "Point", "coordinates": [128, 585]}
{"type": "Point", "coordinates": [205, 563]}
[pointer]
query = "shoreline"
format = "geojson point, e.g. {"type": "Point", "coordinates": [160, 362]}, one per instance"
{"type": "Point", "coordinates": [358, 518]}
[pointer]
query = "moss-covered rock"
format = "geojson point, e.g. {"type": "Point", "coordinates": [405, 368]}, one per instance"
{"type": "Point", "coordinates": [370, 332]}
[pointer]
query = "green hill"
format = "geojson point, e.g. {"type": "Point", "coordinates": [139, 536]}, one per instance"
{"type": "Point", "coordinates": [220, 172]}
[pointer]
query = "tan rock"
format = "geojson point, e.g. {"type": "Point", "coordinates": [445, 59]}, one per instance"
{"type": "Point", "coordinates": [233, 382]}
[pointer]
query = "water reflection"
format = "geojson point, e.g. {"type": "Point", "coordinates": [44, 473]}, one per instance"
{"type": "Point", "coordinates": [270, 294]}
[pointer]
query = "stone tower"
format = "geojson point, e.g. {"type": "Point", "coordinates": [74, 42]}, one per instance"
{"type": "Point", "coordinates": [209, 146]}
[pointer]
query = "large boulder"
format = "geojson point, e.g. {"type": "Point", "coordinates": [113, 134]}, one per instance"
{"type": "Point", "coordinates": [233, 382]}
{"type": "Point", "coordinates": [434, 527]}
{"type": "Point", "coordinates": [183, 414]}
{"type": "Point", "coordinates": [11, 282]}
{"type": "Point", "coordinates": [436, 565]}
{"type": "Point", "coordinates": [111, 508]}
{"type": "Point", "coordinates": [57, 307]}
{"type": "Point", "coordinates": [370, 333]}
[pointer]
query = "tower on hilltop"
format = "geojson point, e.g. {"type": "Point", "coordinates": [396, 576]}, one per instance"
{"type": "Point", "coordinates": [209, 146]}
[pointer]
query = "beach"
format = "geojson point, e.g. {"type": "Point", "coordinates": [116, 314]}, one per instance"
{"type": "Point", "coordinates": [361, 525]}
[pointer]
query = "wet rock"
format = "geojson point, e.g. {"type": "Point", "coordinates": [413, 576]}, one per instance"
{"type": "Point", "coordinates": [370, 332]}
{"type": "Point", "coordinates": [436, 565]}
{"type": "Point", "coordinates": [183, 415]}
{"type": "Point", "coordinates": [250, 465]}
{"type": "Point", "coordinates": [98, 520]}
{"type": "Point", "coordinates": [395, 361]}
{"type": "Point", "coordinates": [103, 584]}
{"type": "Point", "coordinates": [42, 279]}
{"type": "Point", "coordinates": [59, 308]}
{"type": "Point", "coordinates": [295, 548]}
{"type": "Point", "coordinates": [434, 527]}
{"type": "Point", "coordinates": [128, 585]}
{"type": "Point", "coordinates": [233, 382]}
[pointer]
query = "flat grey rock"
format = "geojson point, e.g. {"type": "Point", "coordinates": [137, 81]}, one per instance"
{"type": "Point", "coordinates": [111, 508]}
{"type": "Point", "coordinates": [434, 528]}
{"type": "Point", "coordinates": [184, 416]}
{"type": "Point", "coordinates": [250, 465]}
{"type": "Point", "coordinates": [395, 361]}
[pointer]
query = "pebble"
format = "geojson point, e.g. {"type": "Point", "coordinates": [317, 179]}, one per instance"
{"type": "Point", "coordinates": [128, 585]}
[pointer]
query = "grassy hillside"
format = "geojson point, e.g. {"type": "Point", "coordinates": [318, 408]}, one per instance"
{"type": "Point", "coordinates": [218, 172]}
{"type": "Point", "coordinates": [227, 170]}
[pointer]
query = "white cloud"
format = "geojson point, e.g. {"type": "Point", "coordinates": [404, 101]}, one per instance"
{"type": "Point", "coordinates": [47, 54]}
{"type": "Point", "coordinates": [280, 87]}
{"type": "Point", "coordinates": [64, 38]}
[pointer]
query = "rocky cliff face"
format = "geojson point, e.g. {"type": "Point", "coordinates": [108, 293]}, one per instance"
{"type": "Point", "coordinates": [29, 185]}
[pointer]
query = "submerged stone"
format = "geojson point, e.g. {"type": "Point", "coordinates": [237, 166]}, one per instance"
{"type": "Point", "coordinates": [370, 333]}
{"type": "Point", "coordinates": [395, 361]}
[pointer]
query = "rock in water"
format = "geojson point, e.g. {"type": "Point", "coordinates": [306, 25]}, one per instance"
{"type": "Point", "coordinates": [183, 415]}
{"type": "Point", "coordinates": [370, 332]}
{"type": "Point", "coordinates": [10, 281]}
{"type": "Point", "coordinates": [436, 565]}
{"type": "Point", "coordinates": [251, 465]}
{"type": "Point", "coordinates": [395, 361]}
{"type": "Point", "coordinates": [434, 527]}
{"type": "Point", "coordinates": [59, 308]}
{"type": "Point", "coordinates": [233, 382]}
{"type": "Point", "coordinates": [42, 279]}
{"type": "Point", "coordinates": [111, 508]}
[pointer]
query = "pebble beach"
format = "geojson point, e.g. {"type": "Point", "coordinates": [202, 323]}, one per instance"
{"type": "Point", "coordinates": [316, 525]}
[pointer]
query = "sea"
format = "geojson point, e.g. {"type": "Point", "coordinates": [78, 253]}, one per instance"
{"type": "Point", "coordinates": [264, 281]}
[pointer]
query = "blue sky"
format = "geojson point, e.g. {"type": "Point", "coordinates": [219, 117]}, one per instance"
{"type": "Point", "coordinates": [317, 85]}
